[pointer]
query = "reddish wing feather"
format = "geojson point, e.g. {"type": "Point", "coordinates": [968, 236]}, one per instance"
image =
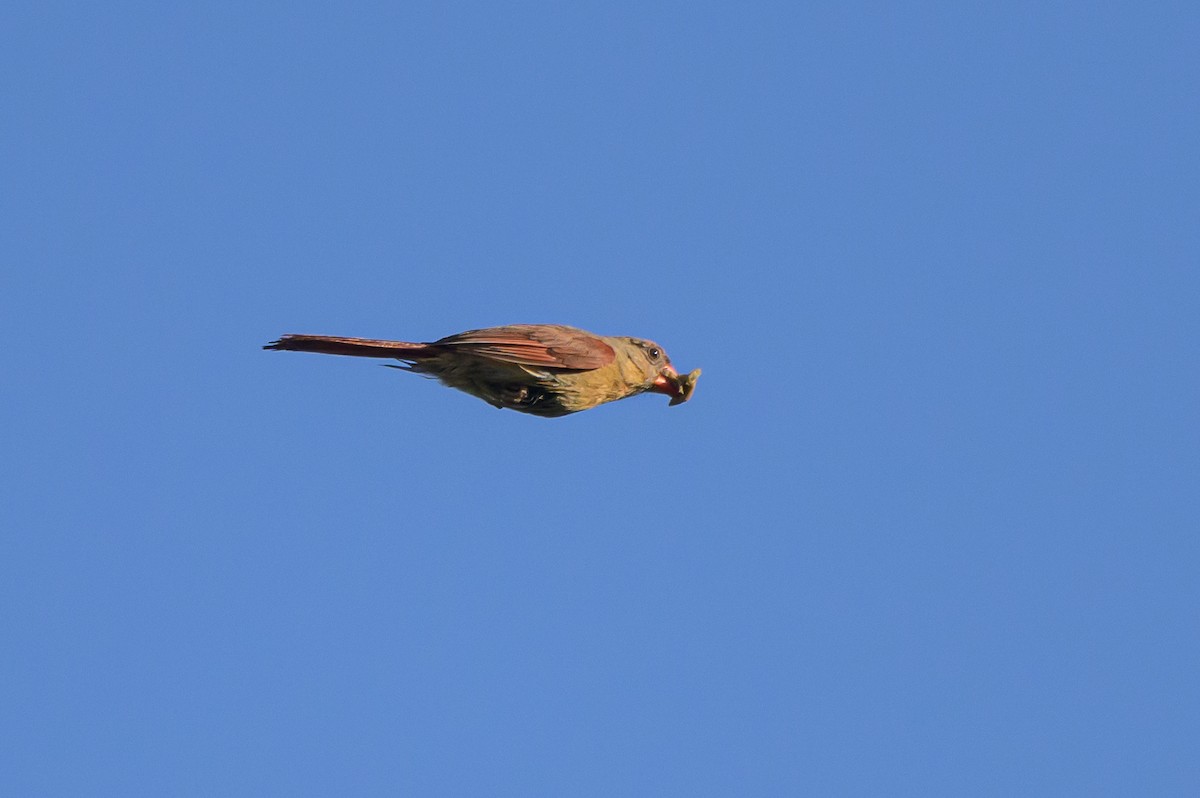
{"type": "Point", "coordinates": [548, 345]}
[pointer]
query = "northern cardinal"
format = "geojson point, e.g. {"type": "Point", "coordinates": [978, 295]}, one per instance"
{"type": "Point", "coordinates": [544, 369]}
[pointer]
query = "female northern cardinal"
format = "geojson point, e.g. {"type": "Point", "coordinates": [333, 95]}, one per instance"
{"type": "Point", "coordinates": [544, 369]}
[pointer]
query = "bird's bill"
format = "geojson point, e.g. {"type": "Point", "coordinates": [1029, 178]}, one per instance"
{"type": "Point", "coordinates": [679, 388]}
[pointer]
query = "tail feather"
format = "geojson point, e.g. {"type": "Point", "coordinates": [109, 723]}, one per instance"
{"type": "Point", "coordinates": [357, 347]}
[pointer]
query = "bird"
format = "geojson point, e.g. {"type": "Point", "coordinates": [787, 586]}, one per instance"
{"type": "Point", "coordinates": [547, 370]}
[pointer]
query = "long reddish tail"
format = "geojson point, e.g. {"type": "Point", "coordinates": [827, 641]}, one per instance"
{"type": "Point", "coordinates": [358, 347]}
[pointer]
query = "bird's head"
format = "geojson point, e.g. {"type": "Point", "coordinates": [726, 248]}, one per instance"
{"type": "Point", "coordinates": [660, 375]}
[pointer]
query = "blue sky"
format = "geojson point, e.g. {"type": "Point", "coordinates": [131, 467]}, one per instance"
{"type": "Point", "coordinates": [928, 526]}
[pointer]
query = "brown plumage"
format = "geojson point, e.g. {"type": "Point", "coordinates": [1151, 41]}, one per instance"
{"type": "Point", "coordinates": [544, 369]}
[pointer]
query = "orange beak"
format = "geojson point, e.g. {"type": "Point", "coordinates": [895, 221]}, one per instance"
{"type": "Point", "coordinates": [678, 388]}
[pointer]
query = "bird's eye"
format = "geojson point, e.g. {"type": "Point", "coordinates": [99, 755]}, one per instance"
{"type": "Point", "coordinates": [654, 353]}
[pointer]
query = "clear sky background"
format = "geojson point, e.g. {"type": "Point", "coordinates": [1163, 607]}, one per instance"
{"type": "Point", "coordinates": [928, 527]}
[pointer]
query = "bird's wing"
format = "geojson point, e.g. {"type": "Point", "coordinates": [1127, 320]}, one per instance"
{"type": "Point", "coordinates": [546, 345]}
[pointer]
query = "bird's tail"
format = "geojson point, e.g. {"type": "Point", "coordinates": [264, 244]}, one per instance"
{"type": "Point", "coordinates": [358, 347]}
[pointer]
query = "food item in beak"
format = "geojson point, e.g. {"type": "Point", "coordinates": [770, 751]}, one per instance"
{"type": "Point", "coordinates": [684, 387]}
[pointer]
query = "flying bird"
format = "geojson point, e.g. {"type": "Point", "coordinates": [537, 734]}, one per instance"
{"type": "Point", "coordinates": [544, 369]}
